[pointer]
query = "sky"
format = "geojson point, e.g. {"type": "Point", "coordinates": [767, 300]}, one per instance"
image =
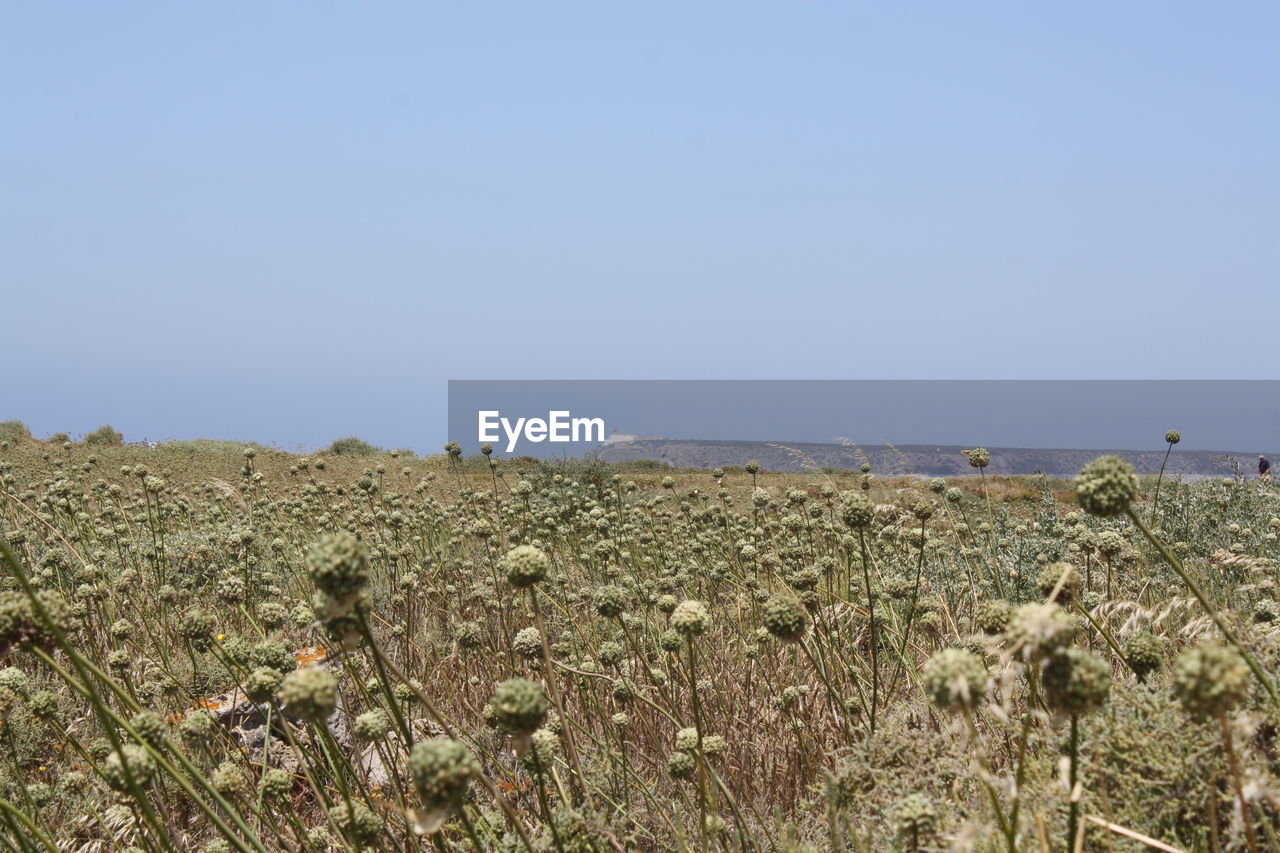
{"type": "Point", "coordinates": [293, 221]}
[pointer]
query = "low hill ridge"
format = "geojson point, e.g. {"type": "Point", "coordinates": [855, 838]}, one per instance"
{"type": "Point", "coordinates": [916, 459]}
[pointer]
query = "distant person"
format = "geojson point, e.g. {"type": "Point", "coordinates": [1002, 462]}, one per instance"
{"type": "Point", "coordinates": [1264, 468]}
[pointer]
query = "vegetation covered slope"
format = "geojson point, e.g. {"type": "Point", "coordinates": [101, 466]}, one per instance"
{"type": "Point", "coordinates": [212, 647]}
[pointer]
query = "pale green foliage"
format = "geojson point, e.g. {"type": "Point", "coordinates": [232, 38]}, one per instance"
{"type": "Point", "coordinates": [256, 626]}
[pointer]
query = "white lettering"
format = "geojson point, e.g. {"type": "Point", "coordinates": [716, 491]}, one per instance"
{"type": "Point", "coordinates": [559, 422]}
{"type": "Point", "coordinates": [559, 426]}
{"type": "Point", "coordinates": [488, 423]}
{"type": "Point", "coordinates": [588, 424]}
{"type": "Point", "coordinates": [513, 435]}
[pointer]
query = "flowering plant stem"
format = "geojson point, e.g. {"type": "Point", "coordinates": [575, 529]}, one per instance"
{"type": "Point", "coordinates": [1227, 631]}
{"type": "Point", "coordinates": [578, 779]}
{"type": "Point", "coordinates": [871, 629]}
{"type": "Point", "coordinates": [110, 720]}
{"type": "Point", "coordinates": [12, 812]}
{"type": "Point", "coordinates": [1246, 815]}
{"type": "Point", "coordinates": [1155, 500]}
{"type": "Point", "coordinates": [1073, 806]}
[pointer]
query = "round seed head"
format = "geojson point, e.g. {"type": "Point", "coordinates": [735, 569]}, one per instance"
{"type": "Point", "coordinates": [1106, 486]}
{"type": "Point", "coordinates": [955, 678]}
{"type": "Point", "coordinates": [1061, 577]}
{"type": "Point", "coordinates": [527, 643]}
{"type": "Point", "coordinates": [785, 617]}
{"type": "Point", "coordinates": [21, 626]}
{"type": "Point", "coordinates": [310, 694]}
{"type": "Point", "coordinates": [525, 565]}
{"type": "Point", "coordinates": [544, 749]}
{"type": "Point", "coordinates": [519, 706]}
{"type": "Point", "coordinates": [339, 567]}
{"type": "Point", "coordinates": [681, 765]}
{"type": "Point", "coordinates": [1210, 679]}
{"type": "Point", "coordinates": [611, 601]}
{"type": "Point", "coordinates": [276, 783]}
{"type": "Point", "coordinates": [1145, 652]}
{"type": "Point", "coordinates": [197, 726]}
{"type": "Point", "coordinates": [856, 510]}
{"type": "Point", "coordinates": [359, 823]}
{"type": "Point", "coordinates": [1039, 631]}
{"type": "Point", "coordinates": [139, 763]}
{"type": "Point", "coordinates": [150, 726]}
{"type": "Point", "coordinates": [1077, 681]}
{"type": "Point", "coordinates": [371, 725]}
{"type": "Point", "coordinates": [687, 739]}
{"type": "Point", "coordinates": [992, 615]}
{"type": "Point", "coordinates": [273, 654]}
{"type": "Point", "coordinates": [623, 691]}
{"type": "Point", "coordinates": [691, 618]}
{"type": "Point", "coordinates": [12, 678]}
{"type": "Point", "coordinates": [228, 779]}
{"type": "Point", "coordinates": [442, 769]}
{"type": "Point", "coordinates": [922, 509]}
{"type": "Point", "coordinates": [610, 653]}
{"type": "Point", "coordinates": [43, 704]}
{"type": "Point", "coordinates": [261, 684]}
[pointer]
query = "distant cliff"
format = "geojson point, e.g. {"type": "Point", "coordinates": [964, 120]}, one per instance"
{"type": "Point", "coordinates": [919, 460]}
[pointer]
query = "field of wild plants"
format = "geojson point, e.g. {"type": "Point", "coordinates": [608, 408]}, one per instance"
{"type": "Point", "coordinates": [216, 647]}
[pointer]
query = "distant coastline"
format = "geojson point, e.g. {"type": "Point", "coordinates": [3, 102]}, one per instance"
{"type": "Point", "coordinates": [915, 459]}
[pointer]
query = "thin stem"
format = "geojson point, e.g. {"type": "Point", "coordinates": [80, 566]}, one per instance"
{"type": "Point", "coordinates": [871, 628]}
{"type": "Point", "coordinates": [1246, 814]}
{"type": "Point", "coordinates": [1155, 500]}
{"type": "Point", "coordinates": [1227, 631]}
{"type": "Point", "coordinates": [1073, 807]}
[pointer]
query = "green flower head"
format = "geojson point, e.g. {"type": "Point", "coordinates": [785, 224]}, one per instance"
{"type": "Point", "coordinates": [1210, 679]}
{"type": "Point", "coordinates": [856, 510]}
{"type": "Point", "coordinates": [442, 769]}
{"type": "Point", "coordinates": [339, 567]}
{"type": "Point", "coordinates": [1077, 681]}
{"type": "Point", "coordinates": [1106, 486]}
{"type": "Point", "coordinates": [310, 693]}
{"type": "Point", "coordinates": [525, 566]}
{"type": "Point", "coordinates": [519, 706]}
{"type": "Point", "coordinates": [691, 618]}
{"type": "Point", "coordinates": [785, 617]}
{"type": "Point", "coordinates": [955, 679]}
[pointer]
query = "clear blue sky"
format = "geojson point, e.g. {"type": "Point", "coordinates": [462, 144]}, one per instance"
{"type": "Point", "coordinates": [293, 221]}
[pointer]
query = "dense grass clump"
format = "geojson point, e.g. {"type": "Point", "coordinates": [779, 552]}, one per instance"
{"type": "Point", "coordinates": [217, 646]}
{"type": "Point", "coordinates": [104, 436]}
{"type": "Point", "coordinates": [14, 431]}
{"type": "Point", "coordinates": [352, 446]}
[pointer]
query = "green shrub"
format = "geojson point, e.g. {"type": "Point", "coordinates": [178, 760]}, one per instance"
{"type": "Point", "coordinates": [104, 436]}
{"type": "Point", "coordinates": [352, 446]}
{"type": "Point", "coordinates": [596, 472]}
{"type": "Point", "coordinates": [14, 431]}
{"type": "Point", "coordinates": [59, 438]}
